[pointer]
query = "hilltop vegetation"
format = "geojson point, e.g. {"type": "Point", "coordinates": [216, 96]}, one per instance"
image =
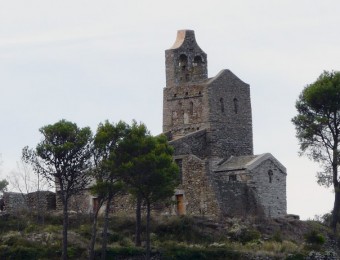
{"type": "Point", "coordinates": [25, 236]}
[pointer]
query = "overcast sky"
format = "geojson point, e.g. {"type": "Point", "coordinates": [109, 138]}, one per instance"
{"type": "Point", "coordinates": [88, 61]}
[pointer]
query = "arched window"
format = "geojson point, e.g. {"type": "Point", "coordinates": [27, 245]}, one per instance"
{"type": "Point", "coordinates": [197, 61]}
{"type": "Point", "coordinates": [222, 105]}
{"type": "Point", "coordinates": [270, 175]}
{"type": "Point", "coordinates": [235, 105]}
{"type": "Point", "coordinates": [191, 108]}
{"type": "Point", "coordinates": [183, 60]}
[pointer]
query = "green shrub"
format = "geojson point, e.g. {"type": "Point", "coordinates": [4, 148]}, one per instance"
{"type": "Point", "coordinates": [277, 237]}
{"type": "Point", "coordinates": [314, 238]}
{"type": "Point", "coordinates": [85, 231]}
{"type": "Point", "coordinates": [296, 257]}
{"type": "Point", "coordinates": [244, 235]}
{"type": "Point", "coordinates": [122, 252]}
{"type": "Point", "coordinates": [185, 252]}
{"type": "Point", "coordinates": [182, 229]}
{"type": "Point", "coordinates": [114, 237]}
{"type": "Point", "coordinates": [53, 228]}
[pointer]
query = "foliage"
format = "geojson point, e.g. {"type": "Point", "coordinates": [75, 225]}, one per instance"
{"type": "Point", "coordinates": [106, 170]}
{"type": "Point", "coordinates": [3, 185]}
{"type": "Point", "coordinates": [318, 122]}
{"type": "Point", "coordinates": [148, 170]}
{"type": "Point", "coordinates": [243, 233]}
{"type": "Point", "coordinates": [181, 229]}
{"type": "Point", "coordinates": [63, 158]}
{"type": "Point", "coordinates": [28, 244]}
{"type": "Point", "coordinates": [318, 129]}
{"type": "Point", "coordinates": [313, 237]}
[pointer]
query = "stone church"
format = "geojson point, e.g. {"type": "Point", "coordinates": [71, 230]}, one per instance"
{"type": "Point", "coordinates": [208, 121]}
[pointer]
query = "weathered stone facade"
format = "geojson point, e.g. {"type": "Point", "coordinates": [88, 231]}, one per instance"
{"type": "Point", "coordinates": [209, 123]}
{"type": "Point", "coordinates": [39, 200]}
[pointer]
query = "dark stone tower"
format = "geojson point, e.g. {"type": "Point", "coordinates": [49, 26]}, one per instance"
{"type": "Point", "coordinates": [191, 102]}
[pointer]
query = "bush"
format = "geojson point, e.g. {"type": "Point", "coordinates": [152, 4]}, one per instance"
{"type": "Point", "coordinates": [314, 238]}
{"type": "Point", "coordinates": [244, 235]}
{"type": "Point", "coordinates": [182, 229]}
{"type": "Point", "coordinates": [185, 252]}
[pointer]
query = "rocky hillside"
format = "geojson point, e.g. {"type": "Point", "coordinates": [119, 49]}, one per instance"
{"type": "Point", "coordinates": [28, 236]}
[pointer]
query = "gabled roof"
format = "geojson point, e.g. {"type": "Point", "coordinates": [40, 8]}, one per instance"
{"type": "Point", "coordinates": [247, 162]}
{"type": "Point", "coordinates": [235, 163]}
{"type": "Point", "coordinates": [225, 73]}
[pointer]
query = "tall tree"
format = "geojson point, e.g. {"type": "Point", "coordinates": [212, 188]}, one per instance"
{"type": "Point", "coordinates": [150, 172]}
{"type": "Point", "coordinates": [63, 157]}
{"type": "Point", "coordinates": [107, 184]}
{"type": "Point", "coordinates": [318, 130]}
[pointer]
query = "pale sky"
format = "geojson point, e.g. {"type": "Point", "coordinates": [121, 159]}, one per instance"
{"type": "Point", "coordinates": [88, 61]}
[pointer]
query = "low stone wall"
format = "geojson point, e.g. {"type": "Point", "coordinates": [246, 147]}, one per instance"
{"type": "Point", "coordinates": [14, 201]}
{"type": "Point", "coordinates": [39, 200]}
{"type": "Point", "coordinates": [42, 200]}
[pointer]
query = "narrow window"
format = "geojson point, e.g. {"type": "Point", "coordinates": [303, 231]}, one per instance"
{"type": "Point", "coordinates": [179, 163]}
{"type": "Point", "coordinates": [222, 105]}
{"type": "Point", "coordinates": [183, 60]}
{"type": "Point", "coordinates": [235, 105]}
{"type": "Point", "coordinates": [232, 177]}
{"type": "Point", "coordinates": [197, 61]}
{"type": "Point", "coordinates": [270, 175]}
{"type": "Point", "coordinates": [191, 108]}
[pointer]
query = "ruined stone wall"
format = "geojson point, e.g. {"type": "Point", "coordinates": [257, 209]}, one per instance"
{"type": "Point", "coordinates": [41, 200]}
{"type": "Point", "coordinates": [230, 117]}
{"type": "Point", "coordinates": [199, 196]}
{"type": "Point", "coordinates": [81, 203]}
{"type": "Point", "coordinates": [14, 201]}
{"type": "Point", "coordinates": [270, 183]}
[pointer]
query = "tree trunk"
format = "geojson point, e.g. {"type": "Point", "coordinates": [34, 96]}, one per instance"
{"type": "Point", "coordinates": [336, 185]}
{"type": "Point", "coordinates": [105, 228]}
{"type": "Point", "coordinates": [148, 231]}
{"type": "Point", "coordinates": [65, 227]}
{"type": "Point", "coordinates": [94, 234]}
{"type": "Point", "coordinates": [336, 208]}
{"type": "Point", "coordinates": [138, 241]}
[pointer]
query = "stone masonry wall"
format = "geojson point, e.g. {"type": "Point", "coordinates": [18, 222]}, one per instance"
{"type": "Point", "coordinates": [271, 191]}
{"type": "Point", "coordinates": [230, 117]}
{"type": "Point", "coordinates": [236, 198]}
{"type": "Point", "coordinates": [39, 200]}
{"type": "Point", "coordinates": [185, 109]}
{"type": "Point", "coordinates": [14, 201]}
{"type": "Point", "coordinates": [185, 61]}
{"type": "Point", "coordinates": [194, 143]}
{"type": "Point", "coordinates": [199, 196]}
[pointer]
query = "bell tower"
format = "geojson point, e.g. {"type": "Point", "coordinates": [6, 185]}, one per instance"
{"type": "Point", "coordinates": [185, 107]}
{"type": "Point", "coordinates": [185, 61]}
